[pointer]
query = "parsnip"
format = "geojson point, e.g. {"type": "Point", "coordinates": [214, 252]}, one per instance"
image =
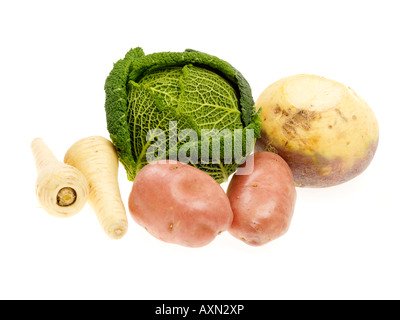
{"type": "Point", "coordinates": [97, 159]}
{"type": "Point", "coordinates": [62, 190]}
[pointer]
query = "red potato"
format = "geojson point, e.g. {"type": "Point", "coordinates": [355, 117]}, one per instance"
{"type": "Point", "coordinates": [262, 202]}
{"type": "Point", "coordinates": [179, 204]}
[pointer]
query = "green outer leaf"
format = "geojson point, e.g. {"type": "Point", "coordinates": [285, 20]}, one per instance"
{"type": "Point", "coordinates": [167, 59]}
{"type": "Point", "coordinates": [116, 106]}
{"type": "Point", "coordinates": [135, 65]}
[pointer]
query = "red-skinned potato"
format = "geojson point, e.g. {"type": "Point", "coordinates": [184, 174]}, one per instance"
{"type": "Point", "coordinates": [179, 204]}
{"type": "Point", "coordinates": [262, 202]}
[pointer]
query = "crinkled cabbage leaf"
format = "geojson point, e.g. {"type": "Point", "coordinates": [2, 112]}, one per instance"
{"type": "Point", "coordinates": [178, 95]}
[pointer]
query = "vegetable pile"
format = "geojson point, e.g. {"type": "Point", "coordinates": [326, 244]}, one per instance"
{"type": "Point", "coordinates": [182, 123]}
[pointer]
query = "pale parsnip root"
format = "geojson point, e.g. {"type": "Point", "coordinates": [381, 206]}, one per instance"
{"type": "Point", "coordinates": [97, 159]}
{"type": "Point", "coordinates": [62, 190]}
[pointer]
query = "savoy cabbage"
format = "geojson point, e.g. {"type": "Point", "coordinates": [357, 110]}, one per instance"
{"type": "Point", "coordinates": [173, 92]}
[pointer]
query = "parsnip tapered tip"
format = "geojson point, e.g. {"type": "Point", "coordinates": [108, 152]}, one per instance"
{"type": "Point", "coordinates": [35, 141]}
{"type": "Point", "coordinates": [118, 229]}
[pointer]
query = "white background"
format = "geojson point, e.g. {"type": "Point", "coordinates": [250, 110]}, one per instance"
{"type": "Point", "coordinates": [344, 241]}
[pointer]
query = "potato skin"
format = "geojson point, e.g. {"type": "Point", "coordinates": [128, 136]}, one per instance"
{"type": "Point", "coordinates": [262, 202]}
{"type": "Point", "coordinates": [325, 147]}
{"type": "Point", "coordinates": [179, 204]}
